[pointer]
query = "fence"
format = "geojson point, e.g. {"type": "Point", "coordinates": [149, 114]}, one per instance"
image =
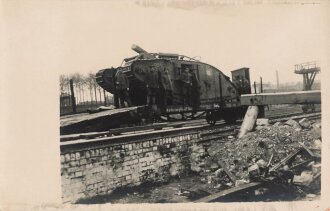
{"type": "Point", "coordinates": [79, 95]}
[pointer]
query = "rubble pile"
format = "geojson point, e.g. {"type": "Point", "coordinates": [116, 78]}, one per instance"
{"type": "Point", "coordinates": [258, 151]}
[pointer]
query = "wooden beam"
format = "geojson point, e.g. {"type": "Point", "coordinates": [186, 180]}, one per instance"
{"type": "Point", "coordinates": [300, 97]}
{"type": "Point", "coordinates": [224, 167]}
{"type": "Point", "coordinates": [219, 195]}
{"type": "Point", "coordinates": [285, 160]}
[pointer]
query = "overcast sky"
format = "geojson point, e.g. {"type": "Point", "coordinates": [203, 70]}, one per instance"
{"type": "Point", "coordinates": [85, 36]}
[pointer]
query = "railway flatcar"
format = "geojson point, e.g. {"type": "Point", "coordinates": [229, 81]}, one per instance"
{"type": "Point", "coordinates": [176, 84]}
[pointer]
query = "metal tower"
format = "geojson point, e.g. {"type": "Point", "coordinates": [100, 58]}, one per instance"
{"type": "Point", "coordinates": [309, 71]}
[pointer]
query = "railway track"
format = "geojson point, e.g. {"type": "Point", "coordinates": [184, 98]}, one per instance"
{"type": "Point", "coordinates": [217, 131]}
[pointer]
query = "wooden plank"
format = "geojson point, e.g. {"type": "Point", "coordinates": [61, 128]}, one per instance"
{"type": "Point", "coordinates": [118, 131]}
{"type": "Point", "coordinates": [303, 163]}
{"type": "Point", "coordinates": [230, 175]}
{"type": "Point", "coordinates": [285, 160]}
{"type": "Point", "coordinates": [83, 136]}
{"type": "Point", "coordinates": [102, 121]}
{"type": "Point", "coordinates": [157, 126]}
{"type": "Point", "coordinates": [177, 125]}
{"type": "Point", "coordinates": [308, 150]}
{"type": "Point", "coordinates": [84, 117]}
{"type": "Point", "coordinates": [214, 197]}
{"type": "Point", "coordinates": [300, 97]}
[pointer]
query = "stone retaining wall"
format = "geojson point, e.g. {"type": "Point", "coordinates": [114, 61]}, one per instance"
{"type": "Point", "coordinates": [97, 167]}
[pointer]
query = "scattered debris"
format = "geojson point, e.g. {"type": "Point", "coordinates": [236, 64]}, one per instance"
{"type": "Point", "coordinates": [293, 123]}
{"type": "Point", "coordinates": [304, 123]}
{"type": "Point", "coordinates": [305, 178]}
{"type": "Point", "coordinates": [317, 144]}
{"type": "Point", "coordinates": [280, 153]}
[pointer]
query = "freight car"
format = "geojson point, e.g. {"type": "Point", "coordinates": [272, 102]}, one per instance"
{"type": "Point", "coordinates": [176, 84]}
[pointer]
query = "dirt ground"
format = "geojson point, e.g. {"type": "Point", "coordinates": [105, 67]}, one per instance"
{"type": "Point", "coordinates": [190, 188]}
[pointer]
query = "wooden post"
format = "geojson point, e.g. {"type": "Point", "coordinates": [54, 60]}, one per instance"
{"type": "Point", "coordinates": [73, 99]}
{"type": "Point", "coordinates": [255, 87]}
{"type": "Point", "coordinates": [249, 121]}
{"type": "Point", "coordinates": [261, 89]}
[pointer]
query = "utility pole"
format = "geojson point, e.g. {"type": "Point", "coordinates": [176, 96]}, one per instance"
{"type": "Point", "coordinates": [277, 81]}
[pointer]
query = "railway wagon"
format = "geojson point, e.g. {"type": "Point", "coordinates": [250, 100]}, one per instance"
{"type": "Point", "coordinates": [208, 90]}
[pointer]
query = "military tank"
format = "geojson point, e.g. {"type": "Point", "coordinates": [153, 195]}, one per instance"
{"type": "Point", "coordinates": [187, 85]}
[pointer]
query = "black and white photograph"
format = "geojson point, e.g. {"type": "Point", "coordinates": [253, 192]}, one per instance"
{"type": "Point", "coordinates": [167, 102]}
{"type": "Point", "coordinates": [214, 107]}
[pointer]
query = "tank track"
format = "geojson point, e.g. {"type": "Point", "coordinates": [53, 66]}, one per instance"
{"type": "Point", "coordinates": [100, 79]}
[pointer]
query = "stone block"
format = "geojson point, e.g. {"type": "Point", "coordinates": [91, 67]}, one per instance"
{"type": "Point", "coordinates": [101, 152]}
{"type": "Point", "coordinates": [305, 178]}
{"type": "Point", "coordinates": [130, 153]}
{"type": "Point", "coordinates": [92, 152]}
{"type": "Point", "coordinates": [97, 152]}
{"type": "Point", "coordinates": [305, 123]}
{"type": "Point", "coordinates": [128, 177]}
{"type": "Point", "coordinates": [65, 165]}
{"type": "Point", "coordinates": [78, 174]}
{"type": "Point", "coordinates": [71, 169]}
{"type": "Point", "coordinates": [317, 144]}
{"type": "Point", "coordinates": [73, 163]}
{"type": "Point", "coordinates": [146, 144]}
{"type": "Point", "coordinates": [293, 124]}
{"type": "Point", "coordinates": [106, 151]}
{"type": "Point", "coordinates": [67, 157]}
{"type": "Point", "coordinates": [62, 159]}
{"type": "Point", "coordinates": [77, 155]}
{"type": "Point", "coordinates": [316, 168]}
{"type": "Point", "coordinates": [83, 161]}
{"type": "Point", "coordinates": [90, 187]}
{"type": "Point", "coordinates": [72, 156]}
{"type": "Point", "coordinates": [135, 161]}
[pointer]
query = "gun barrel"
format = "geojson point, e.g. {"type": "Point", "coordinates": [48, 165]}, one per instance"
{"type": "Point", "coordinates": [138, 49]}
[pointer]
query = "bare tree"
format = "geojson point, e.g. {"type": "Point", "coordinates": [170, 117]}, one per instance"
{"type": "Point", "coordinates": [94, 85]}
{"type": "Point", "coordinates": [90, 85]}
